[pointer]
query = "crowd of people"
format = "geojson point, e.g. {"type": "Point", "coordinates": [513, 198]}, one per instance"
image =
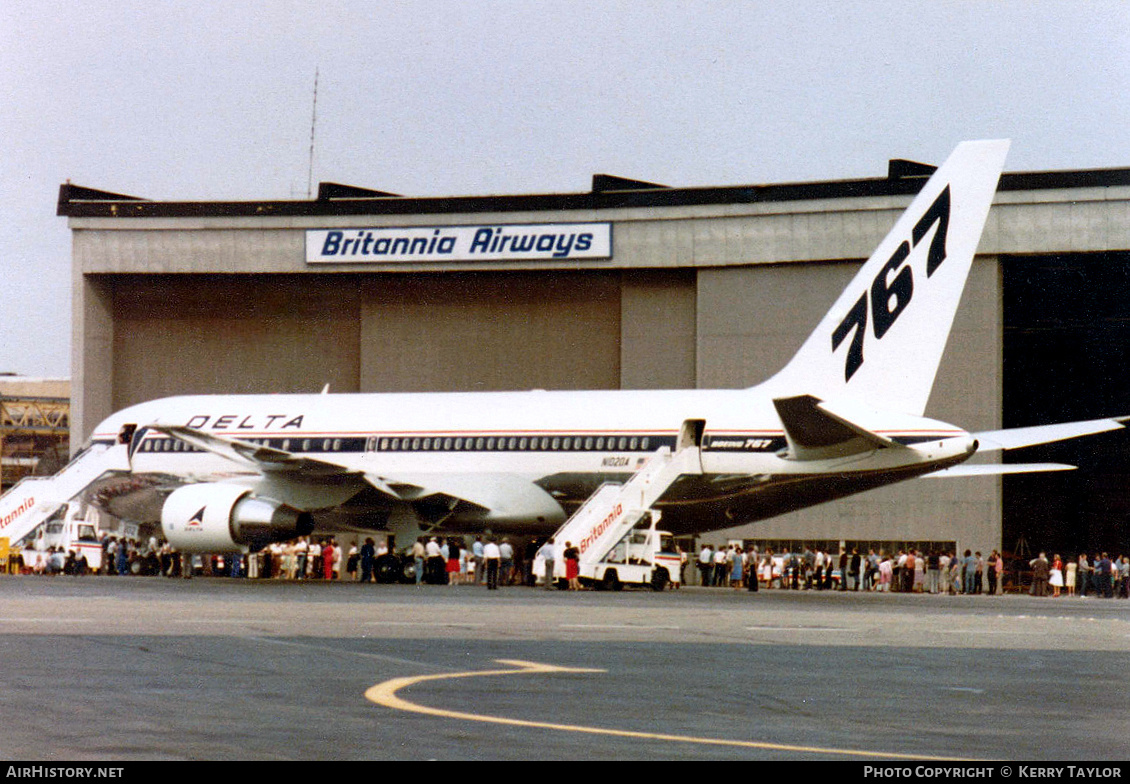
{"type": "Point", "coordinates": [432, 560]}
{"type": "Point", "coordinates": [1098, 574]}
{"type": "Point", "coordinates": [907, 571]}
{"type": "Point", "coordinates": [450, 561]}
{"type": "Point", "coordinates": [57, 560]}
{"type": "Point", "coordinates": [495, 562]}
{"type": "Point", "coordinates": [118, 556]}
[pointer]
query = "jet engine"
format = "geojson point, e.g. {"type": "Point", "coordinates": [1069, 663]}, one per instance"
{"type": "Point", "coordinates": [216, 518]}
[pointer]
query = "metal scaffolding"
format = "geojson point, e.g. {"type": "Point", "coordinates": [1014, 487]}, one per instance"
{"type": "Point", "coordinates": [34, 436]}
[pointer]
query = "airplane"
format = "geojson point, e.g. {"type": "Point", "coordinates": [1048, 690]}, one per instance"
{"type": "Point", "coordinates": [845, 415]}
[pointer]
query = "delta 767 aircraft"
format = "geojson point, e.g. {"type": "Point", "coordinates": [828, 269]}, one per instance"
{"type": "Point", "coordinates": [844, 416]}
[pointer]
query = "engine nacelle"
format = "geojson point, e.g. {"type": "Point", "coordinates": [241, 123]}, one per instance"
{"type": "Point", "coordinates": [217, 518]}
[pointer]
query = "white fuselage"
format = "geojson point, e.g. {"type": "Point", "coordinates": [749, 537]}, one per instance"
{"type": "Point", "coordinates": [566, 443]}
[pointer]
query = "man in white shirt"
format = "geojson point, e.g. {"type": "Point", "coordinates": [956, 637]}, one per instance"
{"type": "Point", "coordinates": [706, 564]}
{"type": "Point", "coordinates": [507, 564]}
{"type": "Point", "coordinates": [719, 578]}
{"type": "Point", "coordinates": [548, 553]}
{"type": "Point", "coordinates": [434, 566]}
{"type": "Point", "coordinates": [493, 557]}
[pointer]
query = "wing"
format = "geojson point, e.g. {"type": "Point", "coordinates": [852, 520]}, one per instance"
{"type": "Point", "coordinates": [307, 483]}
{"type": "Point", "coordinates": [264, 459]}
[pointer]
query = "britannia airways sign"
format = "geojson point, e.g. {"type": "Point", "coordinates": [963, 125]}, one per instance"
{"type": "Point", "coordinates": [499, 242]}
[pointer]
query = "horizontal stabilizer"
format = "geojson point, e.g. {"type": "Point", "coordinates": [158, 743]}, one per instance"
{"type": "Point", "coordinates": [816, 433]}
{"type": "Point", "coordinates": [997, 469]}
{"type": "Point", "coordinates": [1017, 437]}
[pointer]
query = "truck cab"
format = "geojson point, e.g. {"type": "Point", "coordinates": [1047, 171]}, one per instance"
{"type": "Point", "coordinates": [645, 556]}
{"type": "Point", "coordinates": [67, 529]}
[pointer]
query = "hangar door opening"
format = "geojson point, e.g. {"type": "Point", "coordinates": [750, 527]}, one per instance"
{"type": "Point", "coordinates": [1067, 357]}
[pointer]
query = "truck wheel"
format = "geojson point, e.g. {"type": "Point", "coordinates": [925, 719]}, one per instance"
{"type": "Point", "coordinates": [659, 579]}
{"type": "Point", "coordinates": [611, 581]}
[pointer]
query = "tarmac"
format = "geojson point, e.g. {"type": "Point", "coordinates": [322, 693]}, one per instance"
{"type": "Point", "coordinates": [150, 668]}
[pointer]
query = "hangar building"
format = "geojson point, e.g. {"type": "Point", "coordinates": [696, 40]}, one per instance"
{"type": "Point", "coordinates": [673, 288]}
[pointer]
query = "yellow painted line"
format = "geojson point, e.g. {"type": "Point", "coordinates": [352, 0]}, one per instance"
{"type": "Point", "coordinates": [385, 694]}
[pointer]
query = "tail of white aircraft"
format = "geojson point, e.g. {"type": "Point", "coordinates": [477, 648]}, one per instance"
{"type": "Point", "coordinates": [882, 341]}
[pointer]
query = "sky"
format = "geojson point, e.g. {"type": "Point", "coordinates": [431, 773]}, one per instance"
{"type": "Point", "coordinates": [214, 100]}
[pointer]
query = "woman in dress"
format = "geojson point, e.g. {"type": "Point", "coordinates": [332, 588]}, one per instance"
{"type": "Point", "coordinates": [1069, 578]}
{"type": "Point", "coordinates": [886, 571]}
{"type": "Point", "coordinates": [572, 566]}
{"type": "Point", "coordinates": [454, 551]}
{"type": "Point", "coordinates": [1055, 577]}
{"type": "Point", "coordinates": [737, 566]}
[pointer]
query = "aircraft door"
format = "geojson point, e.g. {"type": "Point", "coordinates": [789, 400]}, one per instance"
{"type": "Point", "coordinates": [690, 435]}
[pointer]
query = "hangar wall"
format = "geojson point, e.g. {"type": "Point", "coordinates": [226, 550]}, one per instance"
{"type": "Point", "coordinates": [489, 331]}
{"type": "Point", "coordinates": [196, 334]}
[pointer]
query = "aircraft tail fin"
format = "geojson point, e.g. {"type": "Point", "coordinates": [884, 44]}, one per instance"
{"type": "Point", "coordinates": [883, 339]}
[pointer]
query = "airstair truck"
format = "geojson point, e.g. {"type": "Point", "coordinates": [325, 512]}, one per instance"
{"type": "Point", "coordinates": [615, 529]}
{"type": "Point", "coordinates": [644, 556]}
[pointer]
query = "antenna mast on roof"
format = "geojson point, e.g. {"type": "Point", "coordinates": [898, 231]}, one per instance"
{"type": "Point", "coordinates": [313, 126]}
